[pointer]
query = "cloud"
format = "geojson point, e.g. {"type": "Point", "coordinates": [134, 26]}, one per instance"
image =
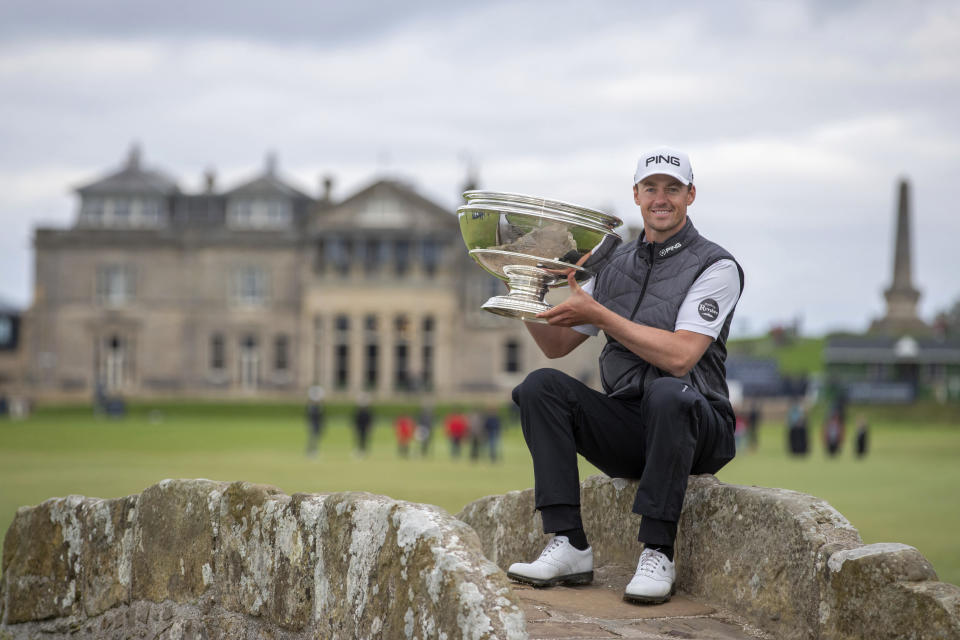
{"type": "Point", "coordinates": [799, 117]}
{"type": "Point", "coordinates": [282, 21]}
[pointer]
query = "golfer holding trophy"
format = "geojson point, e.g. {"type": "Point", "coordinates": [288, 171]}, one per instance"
{"type": "Point", "coordinates": [664, 302]}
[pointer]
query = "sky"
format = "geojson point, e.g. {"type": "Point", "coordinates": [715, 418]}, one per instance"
{"type": "Point", "coordinates": [799, 119]}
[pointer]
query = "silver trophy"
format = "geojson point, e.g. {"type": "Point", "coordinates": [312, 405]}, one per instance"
{"type": "Point", "coordinates": [532, 244]}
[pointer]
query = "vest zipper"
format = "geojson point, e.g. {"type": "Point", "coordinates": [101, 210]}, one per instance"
{"type": "Point", "coordinates": [646, 279]}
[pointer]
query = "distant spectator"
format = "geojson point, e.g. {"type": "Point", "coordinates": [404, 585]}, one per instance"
{"type": "Point", "coordinates": [753, 426]}
{"type": "Point", "coordinates": [404, 428]}
{"type": "Point", "coordinates": [425, 427]}
{"type": "Point", "coordinates": [315, 417]}
{"type": "Point", "coordinates": [99, 399]}
{"type": "Point", "coordinates": [475, 431]}
{"type": "Point", "coordinates": [456, 425]}
{"type": "Point", "coordinates": [833, 433]}
{"type": "Point", "coordinates": [862, 442]}
{"type": "Point", "coordinates": [20, 407]}
{"type": "Point", "coordinates": [491, 429]}
{"type": "Point", "coordinates": [797, 438]}
{"type": "Point", "coordinates": [362, 421]}
{"type": "Point", "coordinates": [739, 430]}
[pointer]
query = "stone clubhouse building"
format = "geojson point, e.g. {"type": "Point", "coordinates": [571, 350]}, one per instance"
{"type": "Point", "coordinates": [263, 290]}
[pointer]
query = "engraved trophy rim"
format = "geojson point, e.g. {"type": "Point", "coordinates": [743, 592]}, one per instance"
{"type": "Point", "coordinates": [559, 210]}
{"type": "Point", "coordinates": [532, 274]}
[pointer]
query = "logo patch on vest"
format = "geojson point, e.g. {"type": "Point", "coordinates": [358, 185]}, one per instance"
{"type": "Point", "coordinates": [669, 249]}
{"type": "Point", "coordinates": [709, 309]}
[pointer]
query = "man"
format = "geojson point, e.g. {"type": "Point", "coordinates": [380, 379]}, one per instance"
{"type": "Point", "coordinates": [665, 303]}
{"type": "Point", "coordinates": [314, 419]}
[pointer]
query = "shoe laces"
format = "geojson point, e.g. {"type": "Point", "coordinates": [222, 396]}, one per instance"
{"type": "Point", "coordinates": [550, 548]}
{"type": "Point", "coordinates": [649, 562]}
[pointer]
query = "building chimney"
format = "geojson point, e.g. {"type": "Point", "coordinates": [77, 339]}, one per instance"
{"type": "Point", "coordinates": [271, 164]}
{"type": "Point", "coordinates": [133, 159]}
{"type": "Point", "coordinates": [210, 180]}
{"type": "Point", "coordinates": [326, 193]}
{"type": "Point", "coordinates": [471, 180]}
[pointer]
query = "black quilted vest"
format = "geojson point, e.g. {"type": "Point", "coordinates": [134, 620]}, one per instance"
{"type": "Point", "coordinates": [646, 282]}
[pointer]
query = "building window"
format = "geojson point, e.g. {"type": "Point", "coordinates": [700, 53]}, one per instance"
{"type": "Point", "coordinates": [150, 213]}
{"type": "Point", "coordinates": [281, 353]}
{"type": "Point", "coordinates": [6, 332]}
{"type": "Point", "coordinates": [426, 354]}
{"type": "Point", "coordinates": [249, 362]}
{"type": "Point", "coordinates": [431, 256]}
{"type": "Point", "coordinates": [401, 353]}
{"type": "Point", "coordinates": [121, 212]}
{"type": "Point", "coordinates": [114, 356]}
{"type": "Point", "coordinates": [317, 350]}
{"type": "Point", "coordinates": [320, 258]}
{"type": "Point", "coordinates": [372, 255]}
{"type": "Point", "coordinates": [259, 213]}
{"type": "Point", "coordinates": [511, 361]}
{"type": "Point", "coordinates": [401, 257]}
{"type": "Point", "coordinates": [114, 284]}
{"type": "Point", "coordinates": [371, 352]}
{"type": "Point", "coordinates": [91, 212]}
{"type": "Point", "coordinates": [341, 255]}
{"type": "Point", "coordinates": [218, 353]}
{"type": "Point", "coordinates": [341, 364]}
{"type": "Point", "coordinates": [250, 286]}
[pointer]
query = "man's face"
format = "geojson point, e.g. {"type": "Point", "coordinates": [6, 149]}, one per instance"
{"type": "Point", "coordinates": [663, 202]}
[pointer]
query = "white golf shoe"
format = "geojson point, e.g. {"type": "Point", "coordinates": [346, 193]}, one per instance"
{"type": "Point", "coordinates": [653, 581]}
{"type": "Point", "coordinates": [559, 563]}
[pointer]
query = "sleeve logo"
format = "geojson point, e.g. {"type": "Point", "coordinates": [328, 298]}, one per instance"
{"type": "Point", "coordinates": [709, 309]}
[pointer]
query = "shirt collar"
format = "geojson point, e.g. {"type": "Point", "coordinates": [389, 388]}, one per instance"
{"type": "Point", "coordinates": [672, 245]}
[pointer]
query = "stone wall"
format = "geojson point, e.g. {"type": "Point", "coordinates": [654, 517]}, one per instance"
{"type": "Point", "coordinates": [202, 559]}
{"type": "Point", "coordinates": [786, 561]}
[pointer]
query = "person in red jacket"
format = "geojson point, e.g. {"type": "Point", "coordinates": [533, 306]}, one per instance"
{"type": "Point", "coordinates": [404, 429]}
{"type": "Point", "coordinates": [456, 426]}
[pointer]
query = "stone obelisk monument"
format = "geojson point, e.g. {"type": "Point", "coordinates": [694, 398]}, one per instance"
{"type": "Point", "coordinates": [901, 296]}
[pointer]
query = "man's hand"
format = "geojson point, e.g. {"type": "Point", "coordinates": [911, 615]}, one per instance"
{"type": "Point", "coordinates": [673, 351]}
{"type": "Point", "coordinates": [579, 308]}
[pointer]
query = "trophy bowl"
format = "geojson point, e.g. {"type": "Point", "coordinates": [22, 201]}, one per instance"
{"type": "Point", "coordinates": [532, 244]}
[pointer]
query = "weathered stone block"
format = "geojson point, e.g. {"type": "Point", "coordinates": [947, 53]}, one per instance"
{"type": "Point", "coordinates": [508, 526]}
{"type": "Point", "coordinates": [396, 569]}
{"type": "Point", "coordinates": [262, 565]}
{"type": "Point", "coordinates": [42, 561]}
{"type": "Point", "coordinates": [759, 551]}
{"type": "Point", "coordinates": [176, 526]}
{"type": "Point", "coordinates": [608, 519]}
{"type": "Point", "coordinates": [201, 559]}
{"type": "Point", "coordinates": [863, 585]}
{"type": "Point", "coordinates": [108, 532]}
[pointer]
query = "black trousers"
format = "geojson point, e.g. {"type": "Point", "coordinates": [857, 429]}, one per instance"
{"type": "Point", "coordinates": [660, 440]}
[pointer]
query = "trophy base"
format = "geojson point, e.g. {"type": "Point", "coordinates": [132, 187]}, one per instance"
{"type": "Point", "coordinates": [517, 308]}
{"type": "Point", "coordinates": [527, 285]}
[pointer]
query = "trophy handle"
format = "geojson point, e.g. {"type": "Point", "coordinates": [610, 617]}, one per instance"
{"type": "Point", "coordinates": [528, 286]}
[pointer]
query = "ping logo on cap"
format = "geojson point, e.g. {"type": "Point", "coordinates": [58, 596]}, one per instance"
{"type": "Point", "coordinates": [674, 160]}
{"type": "Point", "coordinates": [664, 160]}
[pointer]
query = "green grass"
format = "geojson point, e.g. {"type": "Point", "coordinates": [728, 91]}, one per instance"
{"type": "Point", "coordinates": [906, 490]}
{"type": "Point", "coordinates": [797, 357]}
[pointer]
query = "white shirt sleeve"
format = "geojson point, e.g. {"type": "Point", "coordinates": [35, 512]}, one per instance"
{"type": "Point", "coordinates": [706, 305]}
{"type": "Point", "coordinates": [587, 329]}
{"type": "Point", "coordinates": [710, 299]}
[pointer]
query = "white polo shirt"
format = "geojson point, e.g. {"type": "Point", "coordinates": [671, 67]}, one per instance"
{"type": "Point", "coordinates": [707, 304]}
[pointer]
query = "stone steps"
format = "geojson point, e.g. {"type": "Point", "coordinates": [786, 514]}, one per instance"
{"type": "Point", "coordinates": [598, 611]}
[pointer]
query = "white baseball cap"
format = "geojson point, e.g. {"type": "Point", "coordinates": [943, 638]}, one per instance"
{"type": "Point", "coordinates": [667, 161]}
